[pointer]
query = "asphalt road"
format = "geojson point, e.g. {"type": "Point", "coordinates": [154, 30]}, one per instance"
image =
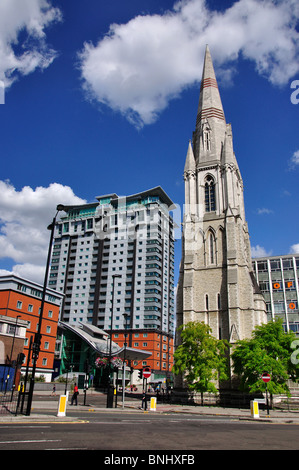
{"type": "Point", "coordinates": [179, 434]}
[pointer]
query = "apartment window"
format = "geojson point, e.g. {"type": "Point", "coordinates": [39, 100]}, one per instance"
{"type": "Point", "coordinates": [19, 304]}
{"type": "Point", "coordinates": [30, 308]}
{"type": "Point", "coordinates": [13, 330]}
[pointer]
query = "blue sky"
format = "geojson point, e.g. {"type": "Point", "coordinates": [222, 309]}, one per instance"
{"type": "Point", "coordinates": [101, 97]}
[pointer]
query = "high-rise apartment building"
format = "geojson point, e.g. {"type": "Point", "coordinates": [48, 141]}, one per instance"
{"type": "Point", "coordinates": [114, 261]}
{"type": "Point", "coordinates": [277, 277]}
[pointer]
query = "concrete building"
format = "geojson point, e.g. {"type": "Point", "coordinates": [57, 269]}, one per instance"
{"type": "Point", "coordinates": [277, 277]}
{"type": "Point", "coordinates": [216, 283]}
{"type": "Point", "coordinates": [114, 262]}
{"type": "Point", "coordinates": [20, 301]}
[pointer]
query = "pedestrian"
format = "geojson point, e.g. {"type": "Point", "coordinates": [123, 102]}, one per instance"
{"type": "Point", "coordinates": [144, 401]}
{"type": "Point", "coordinates": [75, 395]}
{"type": "Point", "coordinates": [54, 391]}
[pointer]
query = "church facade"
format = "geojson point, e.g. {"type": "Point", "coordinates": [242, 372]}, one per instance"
{"type": "Point", "coordinates": [216, 283]}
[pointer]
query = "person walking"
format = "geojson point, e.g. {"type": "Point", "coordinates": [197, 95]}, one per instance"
{"type": "Point", "coordinates": [75, 395]}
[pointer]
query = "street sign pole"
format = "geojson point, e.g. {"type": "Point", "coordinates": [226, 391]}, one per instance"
{"type": "Point", "coordinates": [268, 412]}
{"type": "Point", "coordinates": [146, 374]}
{"type": "Point", "coordinates": [266, 378]}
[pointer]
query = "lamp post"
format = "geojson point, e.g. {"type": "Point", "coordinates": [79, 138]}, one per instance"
{"type": "Point", "coordinates": [37, 339]}
{"type": "Point", "coordinates": [125, 315]}
{"type": "Point", "coordinates": [110, 389]}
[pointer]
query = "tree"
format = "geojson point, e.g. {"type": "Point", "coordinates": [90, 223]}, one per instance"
{"type": "Point", "coordinates": [201, 358]}
{"type": "Point", "coordinates": [269, 350]}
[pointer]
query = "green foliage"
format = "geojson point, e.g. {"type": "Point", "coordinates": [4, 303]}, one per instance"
{"type": "Point", "coordinates": [269, 350]}
{"type": "Point", "coordinates": [201, 357]}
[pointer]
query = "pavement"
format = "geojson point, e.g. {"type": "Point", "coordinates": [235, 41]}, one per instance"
{"type": "Point", "coordinates": [45, 408]}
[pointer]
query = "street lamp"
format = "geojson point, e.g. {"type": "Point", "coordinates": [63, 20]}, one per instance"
{"type": "Point", "coordinates": [110, 389]}
{"type": "Point", "coordinates": [125, 315]}
{"type": "Point", "coordinates": [37, 339]}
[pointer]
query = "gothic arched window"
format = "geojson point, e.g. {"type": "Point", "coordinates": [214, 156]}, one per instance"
{"type": "Point", "coordinates": [210, 200]}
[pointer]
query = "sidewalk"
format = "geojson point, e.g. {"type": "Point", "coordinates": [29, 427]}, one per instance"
{"type": "Point", "coordinates": [46, 410]}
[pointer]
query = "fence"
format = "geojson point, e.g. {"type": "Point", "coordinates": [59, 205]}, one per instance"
{"type": "Point", "coordinates": [8, 403]}
{"type": "Point", "coordinates": [13, 403]}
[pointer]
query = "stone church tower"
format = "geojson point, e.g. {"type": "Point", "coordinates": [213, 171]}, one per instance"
{"type": "Point", "coordinates": [216, 283]}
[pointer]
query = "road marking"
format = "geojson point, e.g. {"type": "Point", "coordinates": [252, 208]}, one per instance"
{"type": "Point", "coordinates": [30, 441]}
{"type": "Point", "coordinates": [13, 426]}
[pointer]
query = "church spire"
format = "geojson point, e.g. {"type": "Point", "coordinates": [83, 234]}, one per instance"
{"type": "Point", "coordinates": [210, 122]}
{"type": "Point", "coordinates": [190, 162]}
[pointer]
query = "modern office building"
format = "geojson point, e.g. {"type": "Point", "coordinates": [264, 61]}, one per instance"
{"type": "Point", "coordinates": [20, 302]}
{"type": "Point", "coordinates": [277, 277]}
{"type": "Point", "coordinates": [114, 262]}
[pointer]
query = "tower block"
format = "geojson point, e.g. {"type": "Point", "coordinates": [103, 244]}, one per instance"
{"type": "Point", "coordinates": [216, 282]}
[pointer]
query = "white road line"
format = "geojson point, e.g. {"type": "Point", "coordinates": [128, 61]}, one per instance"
{"type": "Point", "coordinates": [30, 441]}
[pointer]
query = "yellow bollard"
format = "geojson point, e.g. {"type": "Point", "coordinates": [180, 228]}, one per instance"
{"type": "Point", "coordinates": [254, 407]}
{"type": "Point", "coordinates": [153, 404]}
{"type": "Point", "coordinates": [62, 405]}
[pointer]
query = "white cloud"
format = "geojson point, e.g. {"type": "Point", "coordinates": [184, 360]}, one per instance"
{"type": "Point", "coordinates": [264, 211]}
{"type": "Point", "coordinates": [294, 248]}
{"type": "Point", "coordinates": [139, 66]}
{"type": "Point", "coordinates": [294, 161]}
{"type": "Point", "coordinates": [22, 54]}
{"type": "Point", "coordinates": [24, 218]}
{"type": "Point", "coordinates": [259, 252]}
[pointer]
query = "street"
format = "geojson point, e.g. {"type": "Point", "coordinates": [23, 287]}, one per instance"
{"type": "Point", "coordinates": [112, 431]}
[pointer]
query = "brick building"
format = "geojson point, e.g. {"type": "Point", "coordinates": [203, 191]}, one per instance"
{"type": "Point", "coordinates": [20, 298]}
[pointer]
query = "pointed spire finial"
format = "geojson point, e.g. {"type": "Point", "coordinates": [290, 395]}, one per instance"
{"type": "Point", "coordinates": [210, 122]}
{"type": "Point", "coordinates": [190, 161]}
{"type": "Point", "coordinates": [210, 104]}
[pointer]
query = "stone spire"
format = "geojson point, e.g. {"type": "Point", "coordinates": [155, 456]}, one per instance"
{"type": "Point", "coordinates": [190, 161]}
{"type": "Point", "coordinates": [210, 122]}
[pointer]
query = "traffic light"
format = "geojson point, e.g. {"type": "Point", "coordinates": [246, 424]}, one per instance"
{"type": "Point", "coordinates": [140, 373]}
{"type": "Point", "coordinates": [20, 359]}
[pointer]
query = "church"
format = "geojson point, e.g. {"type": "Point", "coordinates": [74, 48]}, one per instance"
{"type": "Point", "coordinates": [216, 282]}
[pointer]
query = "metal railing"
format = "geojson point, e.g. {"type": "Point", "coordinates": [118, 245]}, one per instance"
{"type": "Point", "coordinates": [13, 403]}
{"type": "Point", "coordinates": [8, 403]}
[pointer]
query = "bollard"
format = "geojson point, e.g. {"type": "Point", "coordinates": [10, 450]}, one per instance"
{"type": "Point", "coordinates": [62, 405]}
{"type": "Point", "coordinates": [254, 407]}
{"type": "Point", "coordinates": [153, 404]}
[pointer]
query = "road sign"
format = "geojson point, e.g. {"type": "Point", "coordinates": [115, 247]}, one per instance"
{"type": "Point", "coordinates": [266, 377]}
{"type": "Point", "coordinates": [146, 372]}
